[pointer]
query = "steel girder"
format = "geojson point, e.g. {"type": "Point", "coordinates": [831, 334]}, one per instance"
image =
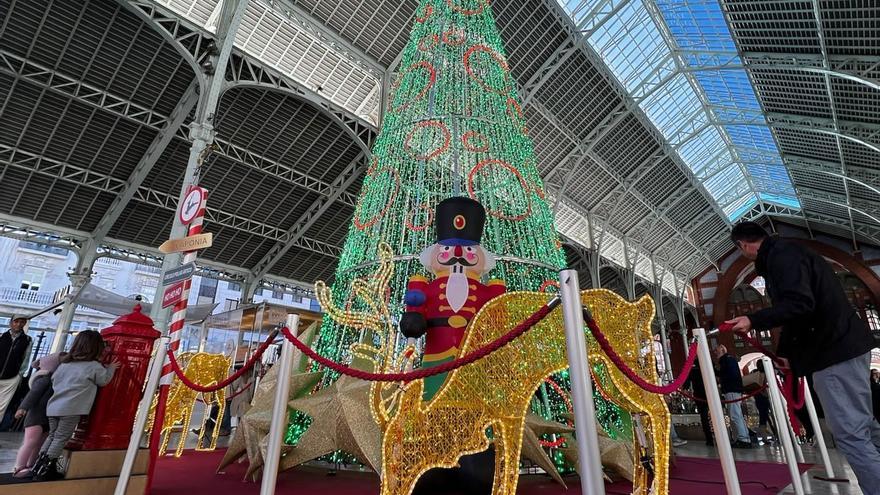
{"type": "Point", "coordinates": [620, 180]}
{"type": "Point", "coordinates": [145, 165]}
{"type": "Point", "coordinates": [62, 84]}
{"type": "Point", "coordinates": [247, 72]}
{"type": "Point", "coordinates": [296, 232]}
{"type": "Point", "coordinates": [101, 182]}
{"type": "Point", "coordinates": [631, 103]}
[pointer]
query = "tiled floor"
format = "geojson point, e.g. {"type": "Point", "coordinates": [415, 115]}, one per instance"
{"type": "Point", "coordinates": [9, 443]}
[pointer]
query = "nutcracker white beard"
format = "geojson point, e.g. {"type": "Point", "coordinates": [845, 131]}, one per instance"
{"type": "Point", "coordinates": [457, 287]}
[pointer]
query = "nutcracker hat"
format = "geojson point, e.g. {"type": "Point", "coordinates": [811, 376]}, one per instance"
{"type": "Point", "coordinates": [459, 221]}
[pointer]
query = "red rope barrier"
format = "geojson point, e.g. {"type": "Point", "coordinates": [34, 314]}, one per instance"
{"type": "Point", "coordinates": [744, 397]}
{"type": "Point", "coordinates": [232, 395]}
{"type": "Point", "coordinates": [424, 372]}
{"type": "Point", "coordinates": [175, 366]}
{"type": "Point", "coordinates": [630, 373]}
{"type": "Point", "coordinates": [787, 385]}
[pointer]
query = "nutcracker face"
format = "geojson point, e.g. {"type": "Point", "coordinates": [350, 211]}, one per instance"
{"type": "Point", "coordinates": [439, 258]}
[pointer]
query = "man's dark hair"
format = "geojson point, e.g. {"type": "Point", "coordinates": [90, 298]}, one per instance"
{"type": "Point", "coordinates": [748, 232]}
{"type": "Point", "coordinates": [87, 346]}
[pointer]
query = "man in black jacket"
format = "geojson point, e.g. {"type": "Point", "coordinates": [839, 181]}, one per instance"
{"type": "Point", "coordinates": [821, 335]}
{"type": "Point", "coordinates": [731, 390]}
{"type": "Point", "coordinates": [695, 383]}
{"type": "Point", "coordinates": [15, 347]}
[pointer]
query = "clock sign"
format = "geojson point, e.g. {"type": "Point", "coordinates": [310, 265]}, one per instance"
{"type": "Point", "coordinates": [191, 205]}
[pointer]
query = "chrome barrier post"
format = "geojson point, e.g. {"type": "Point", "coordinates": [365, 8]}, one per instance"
{"type": "Point", "coordinates": [279, 412]}
{"type": "Point", "coordinates": [140, 419]}
{"type": "Point", "coordinates": [722, 442]}
{"type": "Point", "coordinates": [817, 431]}
{"type": "Point", "coordinates": [783, 426]}
{"type": "Point", "coordinates": [590, 468]}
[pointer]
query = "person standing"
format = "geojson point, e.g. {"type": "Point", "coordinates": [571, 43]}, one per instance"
{"type": "Point", "coordinates": [695, 383]}
{"type": "Point", "coordinates": [731, 390]}
{"type": "Point", "coordinates": [15, 347]}
{"type": "Point", "coordinates": [823, 336]}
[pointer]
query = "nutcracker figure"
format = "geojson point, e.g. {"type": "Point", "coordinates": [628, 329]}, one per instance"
{"type": "Point", "coordinates": [441, 308]}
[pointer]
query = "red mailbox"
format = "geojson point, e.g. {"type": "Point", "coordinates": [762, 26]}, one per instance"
{"type": "Point", "coordinates": [108, 427]}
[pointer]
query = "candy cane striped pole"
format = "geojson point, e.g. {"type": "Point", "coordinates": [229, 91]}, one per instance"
{"type": "Point", "coordinates": [179, 313]}
{"type": "Point", "coordinates": [174, 329]}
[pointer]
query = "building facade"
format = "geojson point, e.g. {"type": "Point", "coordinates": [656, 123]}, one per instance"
{"type": "Point", "coordinates": [31, 275]}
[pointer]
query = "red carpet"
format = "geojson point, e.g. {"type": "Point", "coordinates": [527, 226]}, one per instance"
{"type": "Point", "coordinates": [194, 473]}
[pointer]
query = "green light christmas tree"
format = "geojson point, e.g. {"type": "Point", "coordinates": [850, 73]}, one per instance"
{"type": "Point", "coordinates": [453, 127]}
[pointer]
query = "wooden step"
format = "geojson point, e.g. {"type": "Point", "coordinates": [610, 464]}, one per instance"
{"type": "Point", "coordinates": [80, 464]}
{"type": "Point", "coordinates": [89, 486]}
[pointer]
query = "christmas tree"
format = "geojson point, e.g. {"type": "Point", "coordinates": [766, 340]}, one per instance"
{"type": "Point", "coordinates": [453, 127]}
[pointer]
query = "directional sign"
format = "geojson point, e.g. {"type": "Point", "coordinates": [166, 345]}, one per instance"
{"type": "Point", "coordinates": [184, 272]}
{"type": "Point", "coordinates": [191, 204]}
{"type": "Point", "coordinates": [191, 243]}
{"type": "Point", "coordinates": [173, 295]}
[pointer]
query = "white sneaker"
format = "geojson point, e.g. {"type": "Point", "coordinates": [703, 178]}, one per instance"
{"type": "Point", "coordinates": [679, 442]}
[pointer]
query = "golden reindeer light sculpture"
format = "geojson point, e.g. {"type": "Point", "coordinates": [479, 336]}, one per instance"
{"type": "Point", "coordinates": [204, 369]}
{"type": "Point", "coordinates": [495, 391]}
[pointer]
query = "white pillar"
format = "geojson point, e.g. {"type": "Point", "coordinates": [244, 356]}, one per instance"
{"type": "Point", "coordinates": [589, 463]}
{"type": "Point", "coordinates": [716, 412]}
{"type": "Point", "coordinates": [68, 310]}
{"type": "Point", "coordinates": [279, 412]}
{"type": "Point", "coordinates": [817, 429]}
{"type": "Point", "coordinates": [140, 421]}
{"type": "Point", "coordinates": [782, 426]}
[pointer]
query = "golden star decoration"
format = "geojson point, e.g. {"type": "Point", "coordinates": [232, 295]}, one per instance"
{"type": "Point", "coordinates": [254, 425]}
{"type": "Point", "coordinates": [616, 455]}
{"type": "Point", "coordinates": [341, 420]}
{"type": "Point", "coordinates": [535, 426]}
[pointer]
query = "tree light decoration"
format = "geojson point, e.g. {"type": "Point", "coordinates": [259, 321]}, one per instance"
{"type": "Point", "coordinates": [453, 125]}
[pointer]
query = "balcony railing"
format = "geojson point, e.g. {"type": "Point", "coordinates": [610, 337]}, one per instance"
{"type": "Point", "coordinates": [25, 296]}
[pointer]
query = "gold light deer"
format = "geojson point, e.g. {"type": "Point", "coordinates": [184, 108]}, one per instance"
{"type": "Point", "coordinates": [495, 391]}
{"type": "Point", "coordinates": [204, 369]}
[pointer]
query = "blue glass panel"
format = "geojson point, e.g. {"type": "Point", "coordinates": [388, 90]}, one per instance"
{"type": "Point", "coordinates": [752, 136]}
{"type": "Point", "coordinates": [728, 88]}
{"type": "Point", "coordinates": [785, 200]}
{"type": "Point", "coordinates": [697, 24]}
{"type": "Point", "coordinates": [738, 208]}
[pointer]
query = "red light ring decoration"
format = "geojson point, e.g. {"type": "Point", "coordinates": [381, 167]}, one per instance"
{"type": "Point", "coordinates": [458, 8]}
{"type": "Point", "coordinates": [500, 61]}
{"type": "Point", "coordinates": [482, 144]}
{"type": "Point", "coordinates": [425, 14]}
{"type": "Point", "coordinates": [454, 37]}
{"type": "Point", "coordinates": [559, 441]}
{"type": "Point", "coordinates": [447, 139]}
{"type": "Point", "coordinates": [430, 220]}
{"type": "Point", "coordinates": [429, 42]}
{"type": "Point", "coordinates": [373, 167]}
{"type": "Point", "coordinates": [514, 111]}
{"type": "Point", "coordinates": [433, 78]}
{"type": "Point", "coordinates": [372, 221]}
{"type": "Point", "coordinates": [548, 283]}
{"type": "Point", "coordinates": [497, 214]}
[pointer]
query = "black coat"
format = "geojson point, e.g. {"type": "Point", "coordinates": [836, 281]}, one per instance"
{"type": "Point", "coordinates": [13, 352]}
{"type": "Point", "coordinates": [729, 374]}
{"type": "Point", "coordinates": [819, 325]}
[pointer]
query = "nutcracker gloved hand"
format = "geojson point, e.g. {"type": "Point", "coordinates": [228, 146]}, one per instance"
{"type": "Point", "coordinates": [413, 325]}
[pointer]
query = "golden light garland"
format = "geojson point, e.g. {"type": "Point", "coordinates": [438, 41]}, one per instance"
{"type": "Point", "coordinates": [495, 392]}
{"type": "Point", "coordinates": [204, 369]}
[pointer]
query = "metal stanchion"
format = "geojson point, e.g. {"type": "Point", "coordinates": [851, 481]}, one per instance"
{"type": "Point", "coordinates": [817, 431]}
{"type": "Point", "coordinates": [279, 412]}
{"type": "Point", "coordinates": [799, 453]}
{"type": "Point", "coordinates": [782, 426]}
{"type": "Point", "coordinates": [716, 412]}
{"type": "Point", "coordinates": [590, 470]}
{"type": "Point", "coordinates": [140, 420]}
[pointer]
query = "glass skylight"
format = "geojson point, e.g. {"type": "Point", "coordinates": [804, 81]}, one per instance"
{"type": "Point", "coordinates": [711, 117]}
{"type": "Point", "coordinates": [281, 41]}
